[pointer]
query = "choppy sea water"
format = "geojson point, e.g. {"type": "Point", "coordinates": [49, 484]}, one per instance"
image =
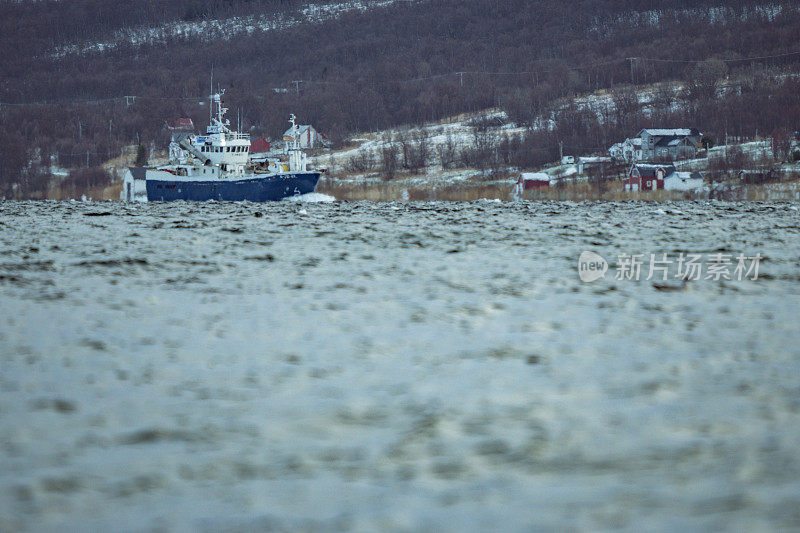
{"type": "Point", "coordinates": [391, 366]}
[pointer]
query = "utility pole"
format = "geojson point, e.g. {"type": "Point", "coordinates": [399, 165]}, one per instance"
{"type": "Point", "coordinates": [560, 151]}
{"type": "Point", "coordinates": [632, 59]}
{"type": "Point", "coordinates": [460, 78]}
{"type": "Point", "coordinates": [297, 85]}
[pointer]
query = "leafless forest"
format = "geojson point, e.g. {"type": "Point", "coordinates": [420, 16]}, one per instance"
{"type": "Point", "coordinates": [736, 64]}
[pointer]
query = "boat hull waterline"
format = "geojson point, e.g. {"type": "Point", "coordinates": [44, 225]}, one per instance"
{"type": "Point", "coordinates": [252, 189]}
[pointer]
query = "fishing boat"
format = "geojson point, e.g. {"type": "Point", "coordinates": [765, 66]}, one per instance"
{"type": "Point", "coordinates": [217, 166]}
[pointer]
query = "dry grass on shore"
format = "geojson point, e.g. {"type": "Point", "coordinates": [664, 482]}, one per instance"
{"type": "Point", "coordinates": [398, 191]}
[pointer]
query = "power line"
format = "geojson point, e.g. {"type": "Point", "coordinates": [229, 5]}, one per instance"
{"type": "Point", "coordinates": [460, 74]}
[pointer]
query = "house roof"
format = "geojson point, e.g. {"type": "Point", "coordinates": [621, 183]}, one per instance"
{"type": "Point", "coordinates": [683, 181]}
{"type": "Point", "coordinates": [674, 132]}
{"type": "Point", "coordinates": [683, 175]}
{"type": "Point", "coordinates": [138, 173]}
{"type": "Point", "coordinates": [535, 176]}
{"type": "Point", "coordinates": [671, 140]}
{"type": "Point", "coordinates": [301, 129]}
{"type": "Point", "coordinates": [649, 171]}
{"type": "Point", "coordinates": [260, 145]}
{"type": "Point", "coordinates": [180, 124]}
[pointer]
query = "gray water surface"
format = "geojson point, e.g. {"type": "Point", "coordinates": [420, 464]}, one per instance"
{"type": "Point", "coordinates": [390, 366]}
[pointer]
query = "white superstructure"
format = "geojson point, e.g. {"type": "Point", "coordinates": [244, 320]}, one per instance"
{"type": "Point", "coordinates": [220, 154]}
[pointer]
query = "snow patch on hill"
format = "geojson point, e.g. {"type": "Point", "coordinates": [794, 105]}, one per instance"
{"type": "Point", "coordinates": [721, 15]}
{"type": "Point", "coordinates": [456, 133]}
{"type": "Point", "coordinates": [215, 29]}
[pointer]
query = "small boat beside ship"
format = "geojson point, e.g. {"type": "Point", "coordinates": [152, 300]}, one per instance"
{"type": "Point", "coordinates": [217, 166]}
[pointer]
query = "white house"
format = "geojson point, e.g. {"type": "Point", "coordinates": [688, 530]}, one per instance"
{"type": "Point", "coordinates": [683, 181]}
{"type": "Point", "coordinates": [629, 150]}
{"type": "Point", "coordinates": [307, 138]}
{"type": "Point", "coordinates": [133, 185]}
{"type": "Point", "coordinates": [653, 144]}
{"type": "Point", "coordinates": [676, 143]}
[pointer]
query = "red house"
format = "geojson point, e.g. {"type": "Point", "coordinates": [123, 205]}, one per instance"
{"type": "Point", "coordinates": [529, 181]}
{"type": "Point", "coordinates": [647, 177]}
{"type": "Point", "coordinates": [259, 146]}
{"type": "Point", "coordinates": [533, 180]}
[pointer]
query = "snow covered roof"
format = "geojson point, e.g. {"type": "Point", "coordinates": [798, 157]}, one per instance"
{"type": "Point", "coordinates": [676, 132]}
{"type": "Point", "coordinates": [683, 181]}
{"type": "Point", "coordinates": [649, 170]}
{"type": "Point", "coordinates": [534, 176]}
{"type": "Point", "coordinates": [301, 129]}
{"type": "Point", "coordinates": [669, 141]}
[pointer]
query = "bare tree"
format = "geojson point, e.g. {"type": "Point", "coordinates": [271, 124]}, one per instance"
{"type": "Point", "coordinates": [703, 79]}
{"type": "Point", "coordinates": [447, 152]}
{"type": "Point", "coordinates": [665, 97]}
{"type": "Point", "coordinates": [388, 157]}
{"type": "Point", "coordinates": [404, 140]}
{"type": "Point", "coordinates": [362, 161]}
{"type": "Point", "coordinates": [422, 149]}
{"type": "Point", "coordinates": [781, 144]}
{"type": "Point", "coordinates": [482, 141]}
{"type": "Point", "coordinates": [627, 109]}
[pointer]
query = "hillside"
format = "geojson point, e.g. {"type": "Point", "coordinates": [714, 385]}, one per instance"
{"type": "Point", "coordinates": [374, 65]}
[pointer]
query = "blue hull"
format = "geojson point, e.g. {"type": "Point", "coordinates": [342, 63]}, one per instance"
{"type": "Point", "coordinates": [259, 189]}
